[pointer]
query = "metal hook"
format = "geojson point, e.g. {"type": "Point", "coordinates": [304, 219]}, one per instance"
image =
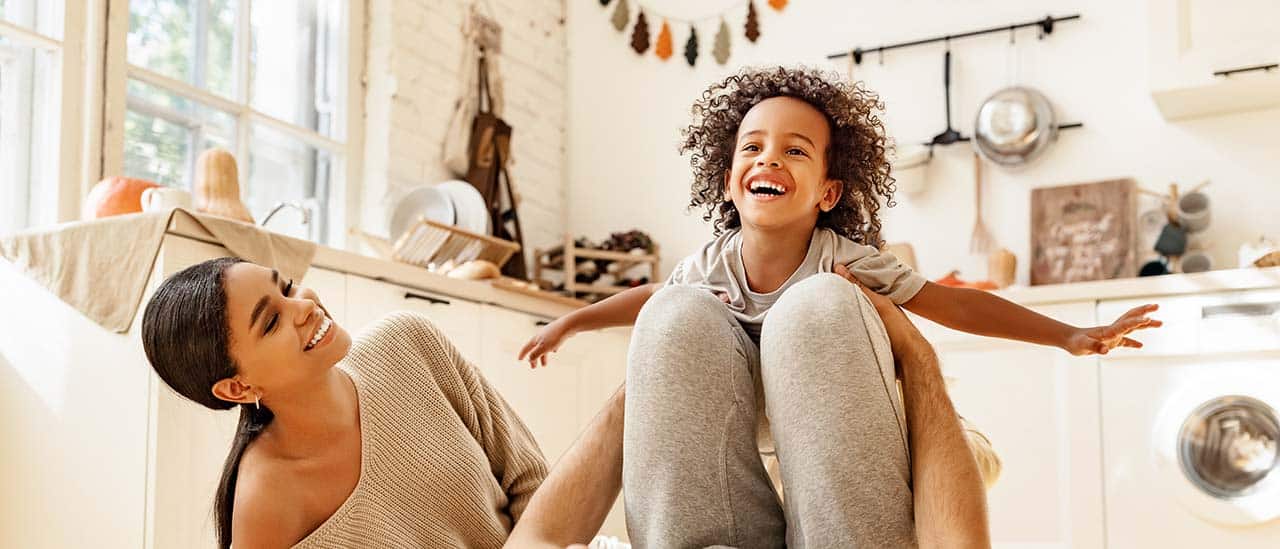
{"type": "Point", "coordinates": [881, 56]}
{"type": "Point", "coordinates": [1046, 27]}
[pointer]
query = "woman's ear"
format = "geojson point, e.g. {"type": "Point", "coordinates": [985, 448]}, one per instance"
{"type": "Point", "coordinates": [832, 190]}
{"type": "Point", "coordinates": [727, 194]}
{"type": "Point", "coordinates": [233, 390]}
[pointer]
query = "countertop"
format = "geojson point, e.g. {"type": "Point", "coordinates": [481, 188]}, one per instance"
{"type": "Point", "coordinates": [1152, 286]}
{"type": "Point", "coordinates": [553, 305]}
{"type": "Point", "coordinates": [549, 306]}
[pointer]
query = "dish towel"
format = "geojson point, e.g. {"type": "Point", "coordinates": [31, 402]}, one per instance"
{"type": "Point", "coordinates": [101, 267]}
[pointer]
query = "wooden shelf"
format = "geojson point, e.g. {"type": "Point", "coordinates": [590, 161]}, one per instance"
{"type": "Point", "coordinates": [615, 256]}
{"type": "Point", "coordinates": [569, 260]}
{"type": "Point", "coordinates": [599, 289]}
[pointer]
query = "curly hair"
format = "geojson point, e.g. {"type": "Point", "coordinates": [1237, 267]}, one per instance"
{"type": "Point", "coordinates": [856, 155]}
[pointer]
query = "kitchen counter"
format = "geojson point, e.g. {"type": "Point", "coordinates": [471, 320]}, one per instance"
{"type": "Point", "coordinates": [550, 306]}
{"type": "Point", "coordinates": [555, 305]}
{"type": "Point", "coordinates": [1165, 285]}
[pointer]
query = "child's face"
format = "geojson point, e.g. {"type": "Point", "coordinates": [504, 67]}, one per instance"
{"type": "Point", "coordinates": [778, 178]}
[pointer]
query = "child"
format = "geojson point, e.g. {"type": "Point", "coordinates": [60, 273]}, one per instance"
{"type": "Point", "coordinates": [791, 166]}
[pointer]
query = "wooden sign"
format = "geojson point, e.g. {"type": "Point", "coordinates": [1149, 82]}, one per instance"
{"type": "Point", "coordinates": [1083, 232]}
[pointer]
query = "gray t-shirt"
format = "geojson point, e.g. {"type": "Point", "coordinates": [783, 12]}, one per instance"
{"type": "Point", "coordinates": [718, 268]}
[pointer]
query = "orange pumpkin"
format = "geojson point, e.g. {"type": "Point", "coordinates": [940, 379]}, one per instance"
{"type": "Point", "coordinates": [115, 196]}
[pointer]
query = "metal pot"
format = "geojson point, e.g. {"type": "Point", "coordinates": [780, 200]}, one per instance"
{"type": "Point", "coordinates": [1014, 126]}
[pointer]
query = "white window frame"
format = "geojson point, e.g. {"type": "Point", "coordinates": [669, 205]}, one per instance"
{"type": "Point", "coordinates": [62, 202]}
{"type": "Point", "coordinates": [344, 198]}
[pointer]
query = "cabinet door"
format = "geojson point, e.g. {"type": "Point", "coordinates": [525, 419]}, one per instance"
{"type": "Point", "coordinates": [1189, 40]}
{"type": "Point", "coordinates": [602, 368]}
{"type": "Point", "coordinates": [331, 287]}
{"type": "Point", "coordinates": [1039, 406]}
{"type": "Point", "coordinates": [546, 398]}
{"type": "Point", "coordinates": [73, 428]}
{"type": "Point", "coordinates": [369, 300]}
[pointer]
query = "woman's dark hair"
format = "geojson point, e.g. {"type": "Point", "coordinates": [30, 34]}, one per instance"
{"type": "Point", "coordinates": [187, 338]}
{"type": "Point", "coordinates": [855, 156]}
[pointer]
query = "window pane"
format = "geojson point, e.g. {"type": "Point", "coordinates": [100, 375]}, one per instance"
{"type": "Point", "coordinates": [165, 132]}
{"type": "Point", "coordinates": [285, 169]}
{"type": "Point", "coordinates": [188, 40]}
{"type": "Point", "coordinates": [29, 121]}
{"type": "Point", "coordinates": [42, 16]}
{"type": "Point", "coordinates": [297, 45]}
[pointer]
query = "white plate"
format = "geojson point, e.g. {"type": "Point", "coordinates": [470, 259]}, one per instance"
{"type": "Point", "coordinates": [423, 201]}
{"type": "Point", "coordinates": [470, 212]}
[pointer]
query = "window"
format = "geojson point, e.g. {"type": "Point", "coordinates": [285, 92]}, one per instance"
{"type": "Point", "coordinates": [267, 80]}
{"type": "Point", "coordinates": [31, 51]}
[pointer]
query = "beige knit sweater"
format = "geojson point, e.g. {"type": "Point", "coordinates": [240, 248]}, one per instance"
{"type": "Point", "coordinates": [445, 461]}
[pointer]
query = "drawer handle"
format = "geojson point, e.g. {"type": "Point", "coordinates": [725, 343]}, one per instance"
{"type": "Point", "coordinates": [427, 298]}
{"type": "Point", "coordinates": [1240, 309]}
{"type": "Point", "coordinates": [542, 322]}
{"type": "Point", "coordinates": [1263, 68]}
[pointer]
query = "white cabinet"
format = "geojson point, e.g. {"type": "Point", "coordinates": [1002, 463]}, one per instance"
{"type": "Point", "coordinates": [331, 287]}
{"type": "Point", "coordinates": [601, 359]}
{"type": "Point", "coordinates": [460, 320]}
{"type": "Point", "coordinates": [1039, 406]}
{"type": "Point", "coordinates": [545, 398]}
{"type": "Point", "coordinates": [1190, 40]}
{"type": "Point", "coordinates": [73, 424]}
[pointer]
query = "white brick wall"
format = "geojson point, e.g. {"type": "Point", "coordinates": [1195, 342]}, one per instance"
{"type": "Point", "coordinates": [413, 52]}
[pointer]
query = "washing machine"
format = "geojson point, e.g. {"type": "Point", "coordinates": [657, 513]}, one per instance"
{"type": "Point", "coordinates": [1190, 425]}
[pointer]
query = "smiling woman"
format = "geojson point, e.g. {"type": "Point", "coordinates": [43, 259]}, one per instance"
{"type": "Point", "coordinates": [338, 441]}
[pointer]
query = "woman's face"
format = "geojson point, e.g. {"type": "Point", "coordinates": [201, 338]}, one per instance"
{"type": "Point", "coordinates": [281, 336]}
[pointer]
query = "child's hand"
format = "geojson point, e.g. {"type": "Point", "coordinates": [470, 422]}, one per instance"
{"type": "Point", "coordinates": [1101, 339]}
{"type": "Point", "coordinates": [546, 341]}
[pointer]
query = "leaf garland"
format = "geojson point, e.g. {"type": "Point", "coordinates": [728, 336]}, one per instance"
{"type": "Point", "coordinates": [663, 46]}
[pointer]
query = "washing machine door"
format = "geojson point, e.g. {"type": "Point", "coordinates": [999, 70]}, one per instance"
{"type": "Point", "coordinates": [1222, 449]}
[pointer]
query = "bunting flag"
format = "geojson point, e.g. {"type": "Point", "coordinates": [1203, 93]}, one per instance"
{"type": "Point", "coordinates": [640, 38]}
{"type": "Point", "coordinates": [621, 15]}
{"type": "Point", "coordinates": [663, 48]}
{"type": "Point", "coordinates": [721, 51]}
{"type": "Point", "coordinates": [691, 47]}
{"type": "Point", "coordinates": [664, 44]}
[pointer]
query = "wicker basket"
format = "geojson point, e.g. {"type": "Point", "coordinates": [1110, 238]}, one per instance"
{"type": "Point", "coordinates": [430, 244]}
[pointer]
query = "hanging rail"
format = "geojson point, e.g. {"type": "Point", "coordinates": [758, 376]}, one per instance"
{"type": "Point", "coordinates": [1046, 27]}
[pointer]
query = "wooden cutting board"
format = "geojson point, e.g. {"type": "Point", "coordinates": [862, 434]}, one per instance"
{"type": "Point", "coordinates": [1083, 232]}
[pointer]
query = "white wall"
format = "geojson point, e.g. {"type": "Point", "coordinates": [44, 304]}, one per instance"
{"type": "Point", "coordinates": [414, 51]}
{"type": "Point", "coordinates": [627, 110]}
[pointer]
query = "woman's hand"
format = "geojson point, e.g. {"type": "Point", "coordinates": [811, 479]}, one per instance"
{"type": "Point", "coordinates": [1100, 340]}
{"type": "Point", "coordinates": [546, 341]}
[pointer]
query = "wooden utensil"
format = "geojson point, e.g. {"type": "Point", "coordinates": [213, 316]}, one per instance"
{"type": "Point", "coordinates": [981, 242]}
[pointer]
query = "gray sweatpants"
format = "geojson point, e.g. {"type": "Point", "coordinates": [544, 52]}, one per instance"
{"type": "Point", "coordinates": [692, 472]}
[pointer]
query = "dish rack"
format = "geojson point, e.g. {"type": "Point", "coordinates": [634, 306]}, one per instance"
{"type": "Point", "coordinates": [431, 244]}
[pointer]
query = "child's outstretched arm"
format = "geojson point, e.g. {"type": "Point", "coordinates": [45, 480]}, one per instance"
{"type": "Point", "coordinates": [983, 313]}
{"type": "Point", "coordinates": [617, 310]}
